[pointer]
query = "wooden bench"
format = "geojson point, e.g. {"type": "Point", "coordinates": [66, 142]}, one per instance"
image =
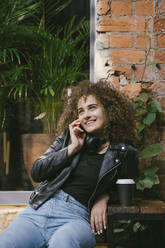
{"type": "Point", "coordinates": [143, 210]}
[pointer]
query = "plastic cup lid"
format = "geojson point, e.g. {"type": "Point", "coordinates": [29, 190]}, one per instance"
{"type": "Point", "coordinates": [125, 181]}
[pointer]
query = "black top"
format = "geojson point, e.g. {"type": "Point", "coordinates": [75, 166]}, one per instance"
{"type": "Point", "coordinates": [83, 179]}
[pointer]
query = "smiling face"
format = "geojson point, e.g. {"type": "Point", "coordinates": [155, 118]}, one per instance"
{"type": "Point", "coordinates": [91, 114]}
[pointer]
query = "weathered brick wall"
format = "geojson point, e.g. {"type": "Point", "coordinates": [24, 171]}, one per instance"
{"type": "Point", "coordinates": [121, 27]}
{"type": "Point", "coordinates": [120, 43]}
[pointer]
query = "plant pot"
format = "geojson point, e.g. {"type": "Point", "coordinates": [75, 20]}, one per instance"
{"type": "Point", "coordinates": [34, 145]}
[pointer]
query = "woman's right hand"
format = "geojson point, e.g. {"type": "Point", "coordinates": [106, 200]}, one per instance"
{"type": "Point", "coordinates": [77, 136]}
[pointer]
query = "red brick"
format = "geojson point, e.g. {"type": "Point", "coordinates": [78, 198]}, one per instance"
{"type": "Point", "coordinates": [162, 7]}
{"type": "Point", "coordinates": [162, 72]}
{"type": "Point", "coordinates": [153, 40]}
{"type": "Point", "coordinates": [141, 42]}
{"type": "Point", "coordinates": [160, 56]}
{"type": "Point", "coordinates": [162, 182]}
{"type": "Point", "coordinates": [138, 72]}
{"type": "Point", "coordinates": [144, 7]}
{"type": "Point", "coordinates": [163, 137]}
{"type": "Point", "coordinates": [127, 24]}
{"type": "Point", "coordinates": [156, 209]}
{"type": "Point", "coordinates": [156, 7]}
{"type": "Point", "coordinates": [148, 74]}
{"type": "Point", "coordinates": [105, 40]}
{"type": "Point", "coordinates": [121, 8]}
{"type": "Point", "coordinates": [143, 163]}
{"type": "Point", "coordinates": [123, 70]}
{"type": "Point", "coordinates": [162, 102]}
{"type": "Point", "coordinates": [155, 43]}
{"type": "Point", "coordinates": [149, 24]}
{"type": "Point", "coordinates": [126, 56]}
{"type": "Point", "coordinates": [163, 115]}
{"type": "Point", "coordinates": [132, 90]}
{"type": "Point", "coordinates": [161, 40]}
{"type": "Point", "coordinates": [162, 154]}
{"type": "Point", "coordinates": [121, 41]}
{"type": "Point", "coordinates": [158, 89]}
{"type": "Point", "coordinates": [160, 164]}
{"type": "Point", "coordinates": [103, 7]}
{"type": "Point", "coordinates": [159, 24]}
{"type": "Point", "coordinates": [114, 81]}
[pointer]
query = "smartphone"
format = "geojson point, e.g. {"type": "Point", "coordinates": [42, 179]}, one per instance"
{"type": "Point", "coordinates": [79, 132]}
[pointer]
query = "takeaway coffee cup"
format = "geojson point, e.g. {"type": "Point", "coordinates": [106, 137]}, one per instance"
{"type": "Point", "coordinates": [125, 191]}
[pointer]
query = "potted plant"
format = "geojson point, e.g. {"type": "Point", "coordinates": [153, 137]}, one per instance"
{"type": "Point", "coordinates": [43, 59]}
{"type": "Point", "coordinates": [58, 65]}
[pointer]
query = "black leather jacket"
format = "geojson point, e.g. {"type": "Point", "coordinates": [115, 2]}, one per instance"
{"type": "Point", "coordinates": [54, 167]}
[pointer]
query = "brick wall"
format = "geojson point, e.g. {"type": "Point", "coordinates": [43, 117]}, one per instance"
{"type": "Point", "coordinates": [124, 32]}
{"type": "Point", "coordinates": [121, 27]}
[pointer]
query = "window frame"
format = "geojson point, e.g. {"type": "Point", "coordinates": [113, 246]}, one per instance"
{"type": "Point", "coordinates": [21, 197]}
{"type": "Point", "coordinates": [92, 38]}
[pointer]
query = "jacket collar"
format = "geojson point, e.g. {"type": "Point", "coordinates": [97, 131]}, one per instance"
{"type": "Point", "coordinates": [111, 159]}
{"type": "Point", "coordinates": [118, 146]}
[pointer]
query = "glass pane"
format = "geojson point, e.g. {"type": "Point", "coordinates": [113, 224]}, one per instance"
{"type": "Point", "coordinates": [41, 52]}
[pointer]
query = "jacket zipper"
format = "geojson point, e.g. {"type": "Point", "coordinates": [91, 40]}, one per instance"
{"type": "Point", "coordinates": [100, 181]}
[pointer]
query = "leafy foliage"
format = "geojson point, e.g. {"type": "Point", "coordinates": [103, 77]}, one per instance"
{"type": "Point", "coordinates": [39, 59]}
{"type": "Point", "coordinates": [150, 178]}
{"type": "Point", "coordinates": [151, 151]}
{"type": "Point", "coordinates": [48, 10]}
{"type": "Point", "coordinates": [148, 117]}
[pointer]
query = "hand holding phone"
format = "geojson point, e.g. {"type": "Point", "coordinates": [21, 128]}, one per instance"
{"type": "Point", "coordinates": [77, 135]}
{"type": "Point", "coordinates": [79, 130]}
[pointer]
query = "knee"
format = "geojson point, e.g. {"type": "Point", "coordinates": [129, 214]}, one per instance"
{"type": "Point", "coordinates": [5, 241]}
{"type": "Point", "coordinates": [75, 236]}
{"type": "Point", "coordinates": [63, 241]}
{"type": "Point", "coordinates": [21, 233]}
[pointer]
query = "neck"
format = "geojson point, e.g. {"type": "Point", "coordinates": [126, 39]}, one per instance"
{"type": "Point", "coordinates": [104, 147]}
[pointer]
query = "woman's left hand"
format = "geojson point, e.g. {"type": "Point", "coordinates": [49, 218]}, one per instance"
{"type": "Point", "coordinates": [98, 214]}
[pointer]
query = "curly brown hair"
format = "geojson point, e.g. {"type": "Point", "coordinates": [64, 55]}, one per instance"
{"type": "Point", "coordinates": [119, 109]}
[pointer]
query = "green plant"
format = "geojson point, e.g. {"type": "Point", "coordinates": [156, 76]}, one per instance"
{"type": "Point", "coordinates": [14, 37]}
{"type": "Point", "coordinates": [39, 59]}
{"type": "Point", "coordinates": [60, 63]}
{"type": "Point", "coordinates": [148, 118]}
{"type": "Point", "coordinates": [49, 111]}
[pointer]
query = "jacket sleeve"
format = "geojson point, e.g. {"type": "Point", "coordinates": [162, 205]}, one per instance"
{"type": "Point", "coordinates": [54, 159]}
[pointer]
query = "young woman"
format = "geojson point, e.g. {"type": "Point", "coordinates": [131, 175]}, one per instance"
{"type": "Point", "coordinates": [78, 172]}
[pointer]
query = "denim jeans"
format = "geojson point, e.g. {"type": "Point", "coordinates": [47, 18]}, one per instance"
{"type": "Point", "coordinates": [61, 222]}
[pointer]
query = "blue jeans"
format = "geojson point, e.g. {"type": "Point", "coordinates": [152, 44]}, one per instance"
{"type": "Point", "coordinates": [61, 222]}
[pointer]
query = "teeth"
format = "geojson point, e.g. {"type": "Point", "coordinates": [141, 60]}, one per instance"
{"type": "Point", "coordinates": [89, 122]}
